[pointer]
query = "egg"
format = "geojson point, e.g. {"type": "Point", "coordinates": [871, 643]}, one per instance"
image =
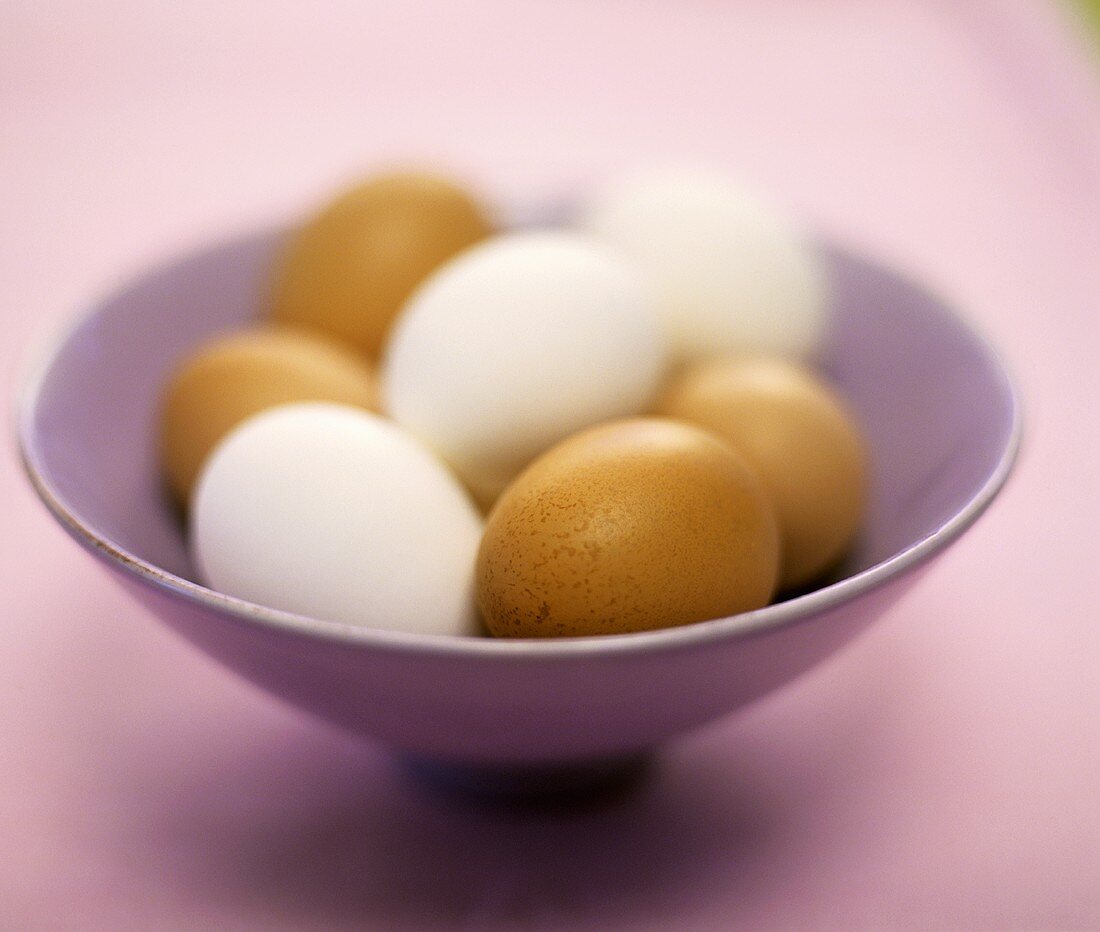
{"type": "Point", "coordinates": [799, 436]}
{"type": "Point", "coordinates": [733, 274]}
{"type": "Point", "coordinates": [332, 512]}
{"type": "Point", "coordinates": [235, 376]}
{"type": "Point", "coordinates": [349, 269]}
{"type": "Point", "coordinates": [517, 343]}
{"type": "Point", "coordinates": [632, 525]}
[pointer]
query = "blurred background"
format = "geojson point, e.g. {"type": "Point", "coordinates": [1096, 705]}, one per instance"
{"type": "Point", "coordinates": [941, 773]}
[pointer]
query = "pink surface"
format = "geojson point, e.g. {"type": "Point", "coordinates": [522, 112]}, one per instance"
{"type": "Point", "coordinates": [942, 772]}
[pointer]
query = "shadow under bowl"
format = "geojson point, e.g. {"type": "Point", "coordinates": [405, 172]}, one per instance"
{"type": "Point", "coordinates": [942, 423]}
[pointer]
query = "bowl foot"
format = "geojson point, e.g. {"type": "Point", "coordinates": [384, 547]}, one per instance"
{"type": "Point", "coordinates": [580, 782]}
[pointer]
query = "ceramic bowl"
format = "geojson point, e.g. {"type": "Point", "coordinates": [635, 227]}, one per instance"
{"type": "Point", "coordinates": [938, 409]}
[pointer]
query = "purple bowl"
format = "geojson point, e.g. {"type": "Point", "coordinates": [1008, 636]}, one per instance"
{"type": "Point", "coordinates": [943, 426]}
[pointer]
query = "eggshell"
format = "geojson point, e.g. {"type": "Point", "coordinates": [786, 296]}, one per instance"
{"type": "Point", "coordinates": [350, 268]}
{"type": "Point", "coordinates": [733, 274]}
{"type": "Point", "coordinates": [803, 442]}
{"type": "Point", "coordinates": [516, 344]}
{"type": "Point", "coordinates": [332, 512]}
{"type": "Point", "coordinates": [636, 524]}
{"type": "Point", "coordinates": [233, 377]}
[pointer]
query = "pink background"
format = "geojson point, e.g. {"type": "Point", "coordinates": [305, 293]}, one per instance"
{"type": "Point", "coordinates": [943, 772]}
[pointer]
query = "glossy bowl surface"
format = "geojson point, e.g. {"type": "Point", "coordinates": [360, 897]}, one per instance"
{"type": "Point", "coordinates": [939, 411]}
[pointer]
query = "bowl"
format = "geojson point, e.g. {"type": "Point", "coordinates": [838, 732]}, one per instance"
{"type": "Point", "coordinates": [936, 405]}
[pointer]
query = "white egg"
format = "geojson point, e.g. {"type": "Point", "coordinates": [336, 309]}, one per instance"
{"type": "Point", "coordinates": [328, 511]}
{"type": "Point", "coordinates": [517, 343]}
{"type": "Point", "coordinates": [732, 273]}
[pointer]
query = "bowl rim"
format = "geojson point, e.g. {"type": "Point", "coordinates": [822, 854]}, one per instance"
{"type": "Point", "coordinates": [792, 611]}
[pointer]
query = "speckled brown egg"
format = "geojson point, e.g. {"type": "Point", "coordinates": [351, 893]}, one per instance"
{"type": "Point", "coordinates": [632, 525]}
{"type": "Point", "coordinates": [800, 438]}
{"type": "Point", "coordinates": [235, 376]}
{"type": "Point", "coordinates": [348, 271]}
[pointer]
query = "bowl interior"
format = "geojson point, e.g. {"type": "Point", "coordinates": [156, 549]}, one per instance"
{"type": "Point", "coordinates": [933, 401]}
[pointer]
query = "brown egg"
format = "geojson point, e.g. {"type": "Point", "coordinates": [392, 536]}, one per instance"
{"type": "Point", "coordinates": [348, 271]}
{"type": "Point", "coordinates": [632, 525]}
{"type": "Point", "coordinates": [801, 440]}
{"type": "Point", "coordinates": [236, 376]}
